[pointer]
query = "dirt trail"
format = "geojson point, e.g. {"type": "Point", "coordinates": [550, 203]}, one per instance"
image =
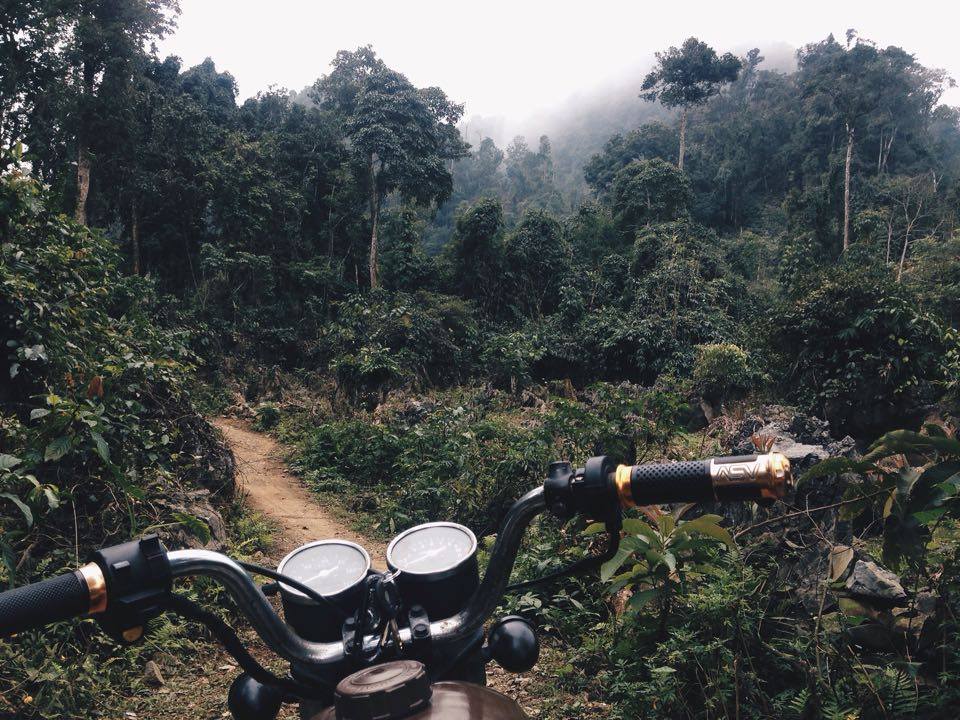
{"type": "Point", "coordinates": [271, 489]}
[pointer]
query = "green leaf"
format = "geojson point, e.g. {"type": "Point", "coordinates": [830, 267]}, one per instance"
{"type": "Point", "coordinates": [639, 599]}
{"type": "Point", "coordinates": [8, 462]}
{"type": "Point", "coordinates": [594, 529]}
{"type": "Point", "coordinates": [103, 450]}
{"type": "Point", "coordinates": [38, 413]}
{"type": "Point", "coordinates": [835, 466]}
{"type": "Point", "coordinates": [906, 441]}
{"type": "Point", "coordinates": [638, 528]}
{"type": "Point", "coordinates": [610, 567]}
{"type": "Point", "coordinates": [707, 525]}
{"type": "Point", "coordinates": [928, 516]}
{"type": "Point", "coordinates": [195, 526]}
{"type": "Point", "coordinates": [57, 448]}
{"type": "Point", "coordinates": [27, 513]}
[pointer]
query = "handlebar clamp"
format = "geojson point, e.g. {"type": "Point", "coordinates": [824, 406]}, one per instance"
{"type": "Point", "coordinates": [139, 583]}
{"type": "Point", "coordinates": [588, 491]}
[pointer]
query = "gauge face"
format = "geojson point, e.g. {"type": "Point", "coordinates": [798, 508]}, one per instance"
{"type": "Point", "coordinates": [431, 549]}
{"type": "Point", "coordinates": [327, 566]}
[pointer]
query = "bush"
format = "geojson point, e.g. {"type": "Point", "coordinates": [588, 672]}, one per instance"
{"type": "Point", "coordinates": [722, 372]}
{"type": "Point", "coordinates": [387, 341]}
{"type": "Point", "coordinates": [466, 456]}
{"type": "Point", "coordinates": [268, 416]}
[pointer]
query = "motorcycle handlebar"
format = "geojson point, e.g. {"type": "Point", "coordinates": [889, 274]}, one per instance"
{"type": "Point", "coordinates": [755, 477]}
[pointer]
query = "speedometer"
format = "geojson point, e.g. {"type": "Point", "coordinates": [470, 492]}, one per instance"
{"type": "Point", "coordinates": [431, 550]}
{"type": "Point", "coordinates": [333, 568]}
{"type": "Point", "coordinates": [437, 564]}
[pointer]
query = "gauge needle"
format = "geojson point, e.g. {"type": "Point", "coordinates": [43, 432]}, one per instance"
{"type": "Point", "coordinates": [322, 573]}
{"type": "Point", "coordinates": [427, 555]}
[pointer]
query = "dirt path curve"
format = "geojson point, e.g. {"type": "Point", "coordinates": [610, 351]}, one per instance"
{"type": "Point", "coordinates": [273, 490]}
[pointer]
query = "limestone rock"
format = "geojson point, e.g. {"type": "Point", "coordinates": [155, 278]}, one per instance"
{"type": "Point", "coordinates": [152, 675]}
{"type": "Point", "coordinates": [876, 585]}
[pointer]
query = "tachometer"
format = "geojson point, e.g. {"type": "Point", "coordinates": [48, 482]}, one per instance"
{"type": "Point", "coordinates": [438, 567]}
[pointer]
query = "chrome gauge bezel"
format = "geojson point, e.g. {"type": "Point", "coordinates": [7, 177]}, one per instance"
{"type": "Point", "coordinates": [297, 596]}
{"type": "Point", "coordinates": [433, 574]}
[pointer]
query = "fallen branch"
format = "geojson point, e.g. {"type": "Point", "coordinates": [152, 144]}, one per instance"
{"type": "Point", "coordinates": [805, 511]}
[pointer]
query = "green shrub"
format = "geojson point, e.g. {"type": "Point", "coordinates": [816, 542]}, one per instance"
{"type": "Point", "coordinates": [388, 341]}
{"type": "Point", "coordinates": [467, 455]}
{"type": "Point", "coordinates": [96, 427]}
{"type": "Point", "coordinates": [508, 358]}
{"type": "Point", "coordinates": [268, 416]}
{"type": "Point", "coordinates": [722, 372]}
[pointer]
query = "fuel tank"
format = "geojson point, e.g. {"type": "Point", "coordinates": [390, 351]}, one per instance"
{"type": "Point", "coordinates": [401, 689]}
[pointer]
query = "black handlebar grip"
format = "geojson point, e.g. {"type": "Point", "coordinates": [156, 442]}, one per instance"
{"type": "Point", "coordinates": [59, 598]}
{"type": "Point", "coordinates": [760, 478]}
{"type": "Point", "coordinates": [659, 483]}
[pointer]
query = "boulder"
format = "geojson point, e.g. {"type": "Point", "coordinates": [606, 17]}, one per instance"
{"type": "Point", "coordinates": [875, 585]}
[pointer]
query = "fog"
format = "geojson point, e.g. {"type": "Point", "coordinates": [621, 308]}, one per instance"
{"type": "Point", "coordinates": [516, 63]}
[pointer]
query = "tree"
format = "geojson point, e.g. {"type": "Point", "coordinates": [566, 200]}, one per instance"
{"type": "Point", "coordinates": [529, 177]}
{"type": "Point", "coordinates": [30, 32]}
{"type": "Point", "coordinates": [647, 191]}
{"type": "Point", "coordinates": [106, 44]}
{"type": "Point", "coordinates": [476, 253]}
{"type": "Point", "coordinates": [856, 88]}
{"type": "Point", "coordinates": [401, 138]}
{"type": "Point", "coordinates": [689, 76]}
{"type": "Point", "coordinates": [653, 140]}
{"type": "Point", "coordinates": [537, 259]}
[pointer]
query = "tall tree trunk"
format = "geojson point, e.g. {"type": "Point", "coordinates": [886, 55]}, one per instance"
{"type": "Point", "coordinates": [84, 163]}
{"type": "Point", "coordinates": [83, 178]}
{"type": "Point", "coordinates": [135, 235]}
{"type": "Point", "coordinates": [683, 138]}
{"type": "Point", "coordinates": [889, 237]}
{"type": "Point", "coordinates": [846, 189]}
{"type": "Point", "coordinates": [903, 256]}
{"type": "Point", "coordinates": [374, 222]}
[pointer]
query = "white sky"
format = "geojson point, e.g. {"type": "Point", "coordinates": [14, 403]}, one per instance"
{"type": "Point", "coordinates": [518, 57]}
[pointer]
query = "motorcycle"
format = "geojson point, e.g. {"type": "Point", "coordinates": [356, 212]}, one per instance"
{"type": "Point", "coordinates": [408, 642]}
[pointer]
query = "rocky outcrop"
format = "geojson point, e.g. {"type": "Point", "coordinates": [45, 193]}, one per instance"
{"type": "Point", "coordinates": [804, 439]}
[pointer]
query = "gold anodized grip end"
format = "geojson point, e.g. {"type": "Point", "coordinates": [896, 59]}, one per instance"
{"type": "Point", "coordinates": [622, 480]}
{"type": "Point", "coordinates": [769, 473]}
{"type": "Point", "coordinates": [96, 587]}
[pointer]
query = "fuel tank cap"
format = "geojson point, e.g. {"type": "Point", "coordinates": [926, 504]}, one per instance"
{"type": "Point", "coordinates": [383, 692]}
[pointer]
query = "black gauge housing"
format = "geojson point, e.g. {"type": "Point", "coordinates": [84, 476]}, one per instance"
{"type": "Point", "coordinates": [437, 564]}
{"type": "Point", "coordinates": [335, 569]}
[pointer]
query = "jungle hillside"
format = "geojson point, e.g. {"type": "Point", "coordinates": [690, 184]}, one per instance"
{"type": "Point", "coordinates": [725, 255]}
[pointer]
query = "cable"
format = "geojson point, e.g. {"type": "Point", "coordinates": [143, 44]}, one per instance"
{"type": "Point", "coordinates": [296, 585]}
{"type": "Point", "coordinates": [228, 638]}
{"type": "Point", "coordinates": [579, 566]}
